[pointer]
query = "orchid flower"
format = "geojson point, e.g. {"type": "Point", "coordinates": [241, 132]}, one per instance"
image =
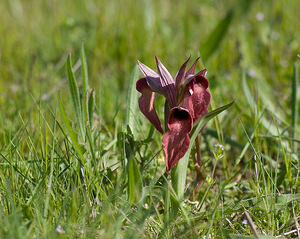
{"type": "Point", "coordinates": [187, 99]}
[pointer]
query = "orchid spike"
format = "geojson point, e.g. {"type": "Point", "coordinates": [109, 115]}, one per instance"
{"type": "Point", "coordinates": [187, 97]}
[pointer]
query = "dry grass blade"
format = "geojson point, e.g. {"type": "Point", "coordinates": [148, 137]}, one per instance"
{"type": "Point", "coordinates": [295, 220]}
{"type": "Point", "coordinates": [251, 224]}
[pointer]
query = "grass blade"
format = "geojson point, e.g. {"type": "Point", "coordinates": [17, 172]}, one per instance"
{"type": "Point", "coordinates": [207, 118]}
{"type": "Point", "coordinates": [294, 103]}
{"type": "Point", "coordinates": [216, 37]}
{"type": "Point", "coordinates": [90, 107]}
{"type": "Point", "coordinates": [84, 68]}
{"type": "Point", "coordinates": [132, 101]}
{"type": "Point", "coordinates": [89, 110]}
{"type": "Point", "coordinates": [135, 183]}
{"type": "Point", "coordinates": [73, 135]}
{"type": "Point", "coordinates": [75, 95]}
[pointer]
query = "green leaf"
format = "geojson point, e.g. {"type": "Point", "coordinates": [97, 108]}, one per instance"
{"type": "Point", "coordinates": [89, 110]}
{"type": "Point", "coordinates": [135, 183]}
{"type": "Point", "coordinates": [132, 101]}
{"type": "Point", "coordinates": [210, 115]}
{"type": "Point", "coordinates": [216, 37]}
{"type": "Point", "coordinates": [84, 68]}
{"type": "Point", "coordinates": [75, 95]}
{"type": "Point", "coordinates": [178, 174]}
{"type": "Point", "coordinates": [73, 135]}
{"type": "Point", "coordinates": [294, 101]}
{"type": "Point", "coordinates": [90, 107]}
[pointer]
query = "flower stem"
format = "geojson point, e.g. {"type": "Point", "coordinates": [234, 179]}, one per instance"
{"type": "Point", "coordinates": [198, 164]}
{"type": "Point", "coordinates": [199, 160]}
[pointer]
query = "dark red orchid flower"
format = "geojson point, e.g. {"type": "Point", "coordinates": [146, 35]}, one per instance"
{"type": "Point", "coordinates": [187, 99]}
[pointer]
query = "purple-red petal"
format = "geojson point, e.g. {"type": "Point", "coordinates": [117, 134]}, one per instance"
{"type": "Point", "coordinates": [167, 83]}
{"type": "Point", "coordinates": [196, 97]}
{"type": "Point", "coordinates": [176, 141]}
{"type": "Point", "coordinates": [200, 98]}
{"type": "Point", "coordinates": [146, 103]}
{"type": "Point", "coordinates": [153, 79]}
{"type": "Point", "coordinates": [180, 75]}
{"type": "Point", "coordinates": [191, 71]}
{"type": "Point", "coordinates": [190, 77]}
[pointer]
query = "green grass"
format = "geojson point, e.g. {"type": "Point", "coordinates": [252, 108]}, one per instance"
{"type": "Point", "coordinates": [89, 165]}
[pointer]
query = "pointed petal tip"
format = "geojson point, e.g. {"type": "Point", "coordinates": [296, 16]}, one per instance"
{"type": "Point", "coordinates": [158, 63]}
{"type": "Point", "coordinates": [180, 75]}
{"type": "Point", "coordinates": [167, 83]}
{"type": "Point", "coordinates": [148, 72]}
{"type": "Point", "coordinates": [187, 60]}
{"type": "Point", "coordinates": [202, 73]}
{"type": "Point", "coordinates": [192, 68]}
{"type": "Point", "coordinates": [141, 66]}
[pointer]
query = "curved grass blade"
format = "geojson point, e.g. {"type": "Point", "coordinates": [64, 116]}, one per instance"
{"type": "Point", "coordinates": [216, 37]}
{"type": "Point", "coordinates": [84, 69]}
{"type": "Point", "coordinates": [294, 103]}
{"type": "Point", "coordinates": [132, 102]}
{"type": "Point", "coordinates": [89, 110]}
{"type": "Point", "coordinates": [73, 135]}
{"type": "Point", "coordinates": [90, 102]}
{"type": "Point", "coordinates": [85, 85]}
{"type": "Point", "coordinates": [75, 95]}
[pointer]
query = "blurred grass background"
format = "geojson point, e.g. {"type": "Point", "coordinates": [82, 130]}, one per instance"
{"type": "Point", "coordinates": [262, 41]}
{"type": "Point", "coordinates": [36, 37]}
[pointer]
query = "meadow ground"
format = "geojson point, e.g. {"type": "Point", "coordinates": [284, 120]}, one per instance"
{"type": "Point", "coordinates": [89, 165]}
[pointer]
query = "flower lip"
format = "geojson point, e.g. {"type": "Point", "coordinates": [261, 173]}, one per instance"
{"type": "Point", "coordinates": [181, 113]}
{"type": "Point", "coordinates": [176, 141]}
